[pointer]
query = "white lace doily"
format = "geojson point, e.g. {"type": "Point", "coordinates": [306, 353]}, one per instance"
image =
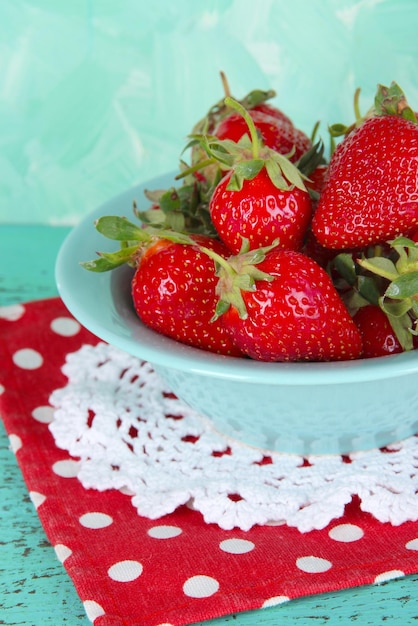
{"type": "Point", "coordinates": [131, 433]}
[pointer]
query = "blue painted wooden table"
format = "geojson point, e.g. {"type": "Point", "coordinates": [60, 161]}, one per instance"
{"type": "Point", "coordinates": [34, 588]}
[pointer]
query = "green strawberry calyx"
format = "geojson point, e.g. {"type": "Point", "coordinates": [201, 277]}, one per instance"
{"type": "Point", "coordinates": [134, 240]}
{"type": "Point", "coordinates": [399, 300]}
{"type": "Point", "coordinates": [392, 101]}
{"type": "Point", "coordinates": [389, 100]}
{"type": "Point", "coordinates": [180, 208]}
{"type": "Point", "coordinates": [247, 157]}
{"type": "Point", "coordinates": [238, 274]}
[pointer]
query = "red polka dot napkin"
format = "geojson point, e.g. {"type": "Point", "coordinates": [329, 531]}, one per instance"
{"type": "Point", "coordinates": [132, 571]}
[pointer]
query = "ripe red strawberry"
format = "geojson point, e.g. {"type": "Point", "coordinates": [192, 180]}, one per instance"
{"type": "Point", "coordinates": [276, 134]}
{"type": "Point", "coordinates": [173, 291]}
{"type": "Point", "coordinates": [313, 249]}
{"type": "Point", "coordinates": [317, 178]}
{"type": "Point", "coordinates": [218, 111]}
{"type": "Point", "coordinates": [260, 212]}
{"type": "Point", "coordinates": [262, 198]}
{"type": "Point", "coordinates": [378, 336]}
{"type": "Point", "coordinates": [268, 109]}
{"type": "Point", "coordinates": [371, 192]}
{"type": "Point", "coordinates": [285, 309]}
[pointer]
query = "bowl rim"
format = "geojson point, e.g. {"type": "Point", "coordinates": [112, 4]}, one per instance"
{"type": "Point", "coordinates": [116, 322]}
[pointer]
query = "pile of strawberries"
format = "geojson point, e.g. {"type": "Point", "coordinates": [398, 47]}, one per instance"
{"type": "Point", "coordinates": [268, 250]}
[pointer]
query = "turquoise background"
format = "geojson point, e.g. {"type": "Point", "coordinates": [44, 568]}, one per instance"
{"type": "Point", "coordinates": [99, 95]}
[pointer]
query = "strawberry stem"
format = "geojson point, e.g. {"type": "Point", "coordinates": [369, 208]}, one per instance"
{"type": "Point", "coordinates": [251, 126]}
{"type": "Point", "coordinates": [357, 112]}
{"type": "Point", "coordinates": [195, 168]}
{"type": "Point", "coordinates": [225, 84]}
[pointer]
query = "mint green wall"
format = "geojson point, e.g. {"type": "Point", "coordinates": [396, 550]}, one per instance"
{"type": "Point", "coordinates": [98, 95]}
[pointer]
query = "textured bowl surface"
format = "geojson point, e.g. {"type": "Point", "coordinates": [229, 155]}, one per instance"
{"type": "Point", "coordinates": [303, 408]}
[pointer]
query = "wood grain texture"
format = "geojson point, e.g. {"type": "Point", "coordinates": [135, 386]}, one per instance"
{"type": "Point", "coordinates": [34, 587]}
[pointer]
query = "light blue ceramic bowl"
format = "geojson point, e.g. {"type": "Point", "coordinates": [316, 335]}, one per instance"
{"type": "Point", "coordinates": [304, 408]}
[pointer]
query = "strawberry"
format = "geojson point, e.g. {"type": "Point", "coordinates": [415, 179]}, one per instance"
{"type": "Point", "coordinates": [317, 179]}
{"type": "Point", "coordinates": [173, 292]}
{"type": "Point", "coordinates": [260, 212]}
{"type": "Point", "coordinates": [313, 249]}
{"type": "Point", "coordinates": [262, 198]}
{"type": "Point", "coordinates": [279, 305]}
{"type": "Point", "coordinates": [276, 128]}
{"type": "Point", "coordinates": [268, 109]}
{"type": "Point", "coordinates": [223, 122]}
{"type": "Point", "coordinates": [277, 134]}
{"type": "Point", "coordinates": [255, 99]}
{"type": "Point", "coordinates": [371, 194]}
{"type": "Point", "coordinates": [173, 287]}
{"type": "Point", "coordinates": [378, 336]}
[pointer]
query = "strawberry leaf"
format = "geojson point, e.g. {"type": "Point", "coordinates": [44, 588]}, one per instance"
{"type": "Point", "coordinates": [408, 254]}
{"type": "Point", "coordinates": [345, 266]}
{"type": "Point", "coordinates": [110, 260]}
{"type": "Point", "coordinates": [402, 326]}
{"type": "Point", "coordinates": [288, 170]}
{"type": "Point", "coordinates": [394, 308]}
{"type": "Point", "coordinates": [275, 174]}
{"type": "Point", "coordinates": [152, 216]}
{"type": "Point", "coordinates": [120, 229]}
{"type": "Point", "coordinates": [368, 289]}
{"type": "Point", "coordinates": [405, 286]}
{"type": "Point", "coordinates": [245, 170]}
{"type": "Point", "coordinates": [403, 242]}
{"type": "Point", "coordinates": [314, 157]}
{"type": "Point", "coordinates": [337, 130]}
{"type": "Point", "coordinates": [257, 96]}
{"type": "Point", "coordinates": [392, 101]}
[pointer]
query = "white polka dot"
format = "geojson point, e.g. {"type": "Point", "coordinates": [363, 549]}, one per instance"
{"type": "Point", "coordinates": [15, 443]}
{"type": "Point", "coordinates": [66, 469]}
{"type": "Point", "coordinates": [93, 610]}
{"type": "Point", "coordinates": [37, 498]}
{"type": "Point", "coordinates": [412, 545]}
{"type": "Point", "coordinates": [43, 414]}
{"type": "Point", "coordinates": [95, 520]}
{"type": "Point", "coordinates": [12, 313]}
{"type": "Point", "coordinates": [125, 571]}
{"type": "Point", "coordinates": [165, 624]}
{"type": "Point", "coordinates": [236, 546]}
{"type": "Point", "coordinates": [390, 575]}
{"type": "Point", "coordinates": [164, 532]}
{"type": "Point", "coordinates": [274, 601]}
{"type": "Point", "coordinates": [27, 359]}
{"type": "Point", "coordinates": [346, 533]}
{"type": "Point", "coordinates": [65, 326]}
{"type": "Point", "coordinates": [62, 552]}
{"type": "Point", "coordinates": [313, 564]}
{"type": "Point", "coordinates": [2, 389]}
{"type": "Point", "coordinates": [200, 586]}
